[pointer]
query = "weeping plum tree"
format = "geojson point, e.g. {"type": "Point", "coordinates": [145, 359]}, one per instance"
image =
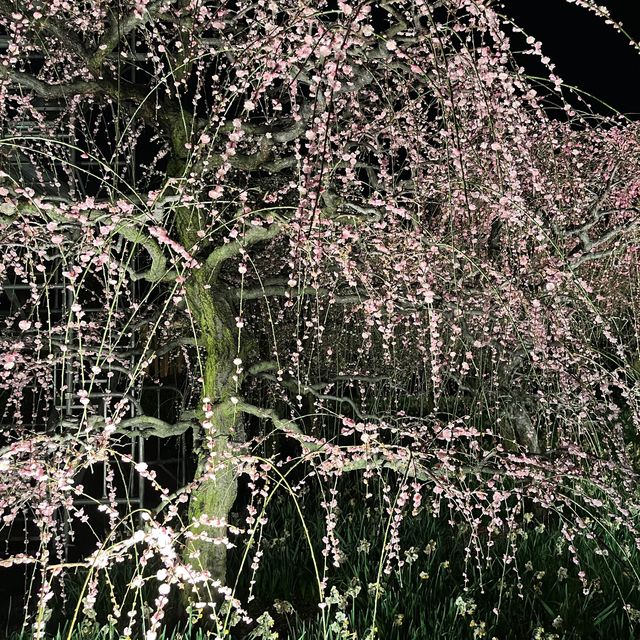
{"type": "Point", "coordinates": [355, 227]}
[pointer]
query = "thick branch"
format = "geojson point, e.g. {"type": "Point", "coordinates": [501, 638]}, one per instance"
{"type": "Point", "coordinates": [158, 271]}
{"type": "Point", "coordinates": [269, 366]}
{"type": "Point", "coordinates": [121, 27]}
{"type": "Point", "coordinates": [597, 255]}
{"type": "Point", "coordinates": [314, 390]}
{"type": "Point", "coordinates": [118, 90]}
{"type": "Point", "coordinates": [279, 132]}
{"type": "Point", "coordinates": [53, 27]}
{"type": "Point", "coordinates": [51, 91]}
{"type": "Point", "coordinates": [272, 291]}
{"type": "Point", "coordinates": [377, 460]}
{"type": "Point", "coordinates": [287, 426]}
{"type": "Point", "coordinates": [227, 251]}
{"type": "Point", "coordinates": [146, 426]}
{"type": "Point", "coordinates": [615, 234]}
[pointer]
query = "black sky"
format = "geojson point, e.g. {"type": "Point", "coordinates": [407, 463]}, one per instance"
{"type": "Point", "coordinates": [587, 53]}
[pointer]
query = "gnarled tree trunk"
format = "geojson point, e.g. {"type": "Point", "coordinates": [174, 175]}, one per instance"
{"type": "Point", "coordinates": [213, 498]}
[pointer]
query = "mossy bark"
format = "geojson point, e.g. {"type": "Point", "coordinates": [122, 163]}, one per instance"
{"type": "Point", "coordinates": [213, 498]}
{"type": "Point", "coordinates": [214, 319]}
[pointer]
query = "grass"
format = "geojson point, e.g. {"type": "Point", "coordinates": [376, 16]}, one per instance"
{"type": "Point", "coordinates": [542, 595]}
{"type": "Point", "coordinates": [435, 594]}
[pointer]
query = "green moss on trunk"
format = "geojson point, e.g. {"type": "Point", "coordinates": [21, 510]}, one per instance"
{"type": "Point", "coordinates": [214, 319]}
{"type": "Point", "coordinates": [213, 499]}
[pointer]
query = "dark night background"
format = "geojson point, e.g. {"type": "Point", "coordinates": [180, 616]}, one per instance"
{"type": "Point", "coordinates": [587, 53]}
